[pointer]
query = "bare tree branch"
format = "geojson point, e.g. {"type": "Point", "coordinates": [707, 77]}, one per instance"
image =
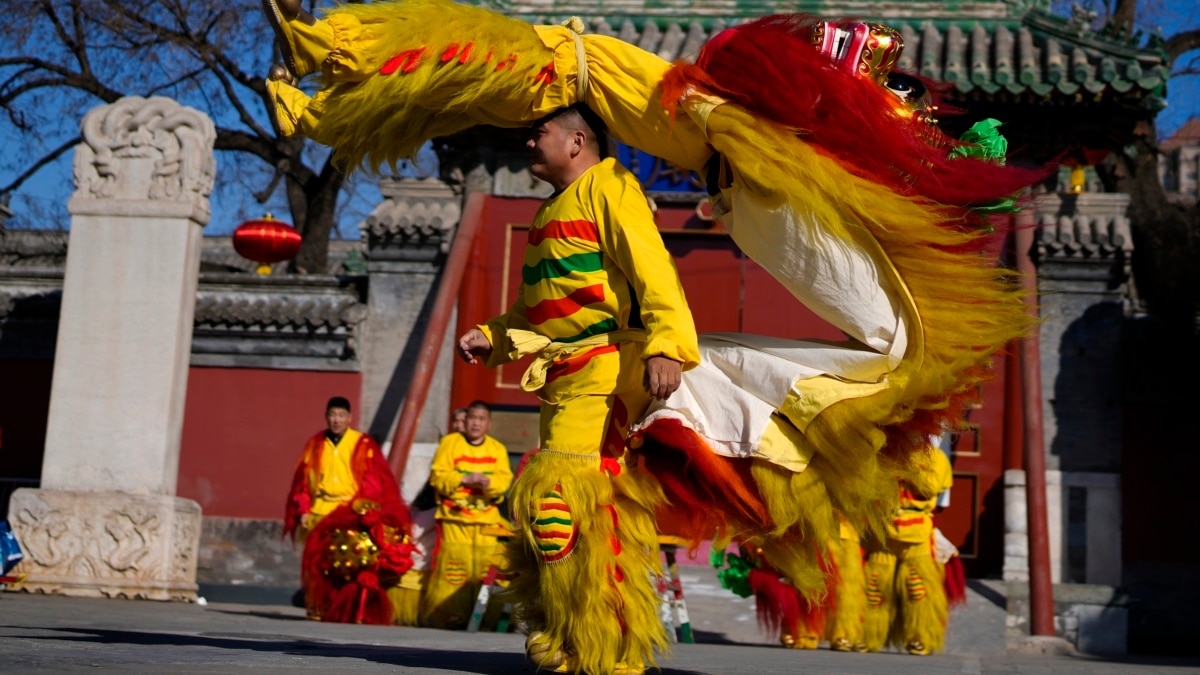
{"type": "Point", "coordinates": [203, 52]}
{"type": "Point", "coordinates": [191, 75]}
{"type": "Point", "coordinates": [1181, 43]}
{"type": "Point", "coordinates": [36, 166]}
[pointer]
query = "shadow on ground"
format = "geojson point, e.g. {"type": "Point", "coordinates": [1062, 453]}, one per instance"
{"type": "Point", "coordinates": [453, 660]}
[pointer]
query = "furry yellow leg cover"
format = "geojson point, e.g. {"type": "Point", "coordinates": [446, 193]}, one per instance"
{"type": "Point", "coordinates": [922, 612]}
{"type": "Point", "coordinates": [880, 573]}
{"type": "Point", "coordinates": [845, 627]}
{"type": "Point", "coordinates": [583, 560]}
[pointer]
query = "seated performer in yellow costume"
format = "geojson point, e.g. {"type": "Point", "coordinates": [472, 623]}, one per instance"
{"type": "Point", "coordinates": [840, 188]}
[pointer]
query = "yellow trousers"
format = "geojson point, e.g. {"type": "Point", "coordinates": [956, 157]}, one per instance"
{"type": "Point", "coordinates": [464, 554]}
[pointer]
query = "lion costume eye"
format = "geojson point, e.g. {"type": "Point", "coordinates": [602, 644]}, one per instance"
{"type": "Point", "coordinates": [913, 94]}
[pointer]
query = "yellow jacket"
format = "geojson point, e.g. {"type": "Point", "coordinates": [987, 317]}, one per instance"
{"type": "Point", "coordinates": [595, 264]}
{"type": "Point", "coordinates": [454, 459]}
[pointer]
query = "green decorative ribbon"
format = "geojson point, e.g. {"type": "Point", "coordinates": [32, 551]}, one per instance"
{"type": "Point", "coordinates": [735, 577]}
{"type": "Point", "coordinates": [984, 141]}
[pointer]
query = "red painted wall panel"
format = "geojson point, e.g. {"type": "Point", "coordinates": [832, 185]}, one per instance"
{"type": "Point", "coordinates": [243, 431]}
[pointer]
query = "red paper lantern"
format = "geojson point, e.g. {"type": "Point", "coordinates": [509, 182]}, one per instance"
{"type": "Point", "coordinates": [266, 241]}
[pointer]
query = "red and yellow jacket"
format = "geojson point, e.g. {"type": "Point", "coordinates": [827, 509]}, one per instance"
{"type": "Point", "coordinates": [328, 476]}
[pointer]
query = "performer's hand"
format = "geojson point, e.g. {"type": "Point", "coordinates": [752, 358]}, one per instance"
{"type": "Point", "coordinates": [474, 343]}
{"type": "Point", "coordinates": [662, 377]}
{"type": "Point", "coordinates": [482, 481]}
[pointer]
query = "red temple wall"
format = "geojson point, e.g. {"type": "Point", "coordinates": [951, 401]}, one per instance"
{"type": "Point", "coordinates": [243, 431]}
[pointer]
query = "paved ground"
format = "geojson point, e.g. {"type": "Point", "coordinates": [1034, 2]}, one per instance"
{"type": "Point", "coordinates": [53, 634]}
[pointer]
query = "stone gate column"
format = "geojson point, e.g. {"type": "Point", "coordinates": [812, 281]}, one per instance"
{"type": "Point", "coordinates": [105, 521]}
{"type": "Point", "coordinates": [1083, 250]}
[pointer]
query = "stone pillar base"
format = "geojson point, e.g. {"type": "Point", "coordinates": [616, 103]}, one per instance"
{"type": "Point", "coordinates": [107, 544]}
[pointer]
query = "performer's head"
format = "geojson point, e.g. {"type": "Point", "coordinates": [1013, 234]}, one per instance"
{"type": "Point", "coordinates": [566, 143]}
{"type": "Point", "coordinates": [458, 421]}
{"type": "Point", "coordinates": [478, 422]}
{"type": "Point", "coordinates": [337, 415]}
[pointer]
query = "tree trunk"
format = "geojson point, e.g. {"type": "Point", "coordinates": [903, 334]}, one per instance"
{"type": "Point", "coordinates": [313, 205]}
{"type": "Point", "coordinates": [1164, 251]}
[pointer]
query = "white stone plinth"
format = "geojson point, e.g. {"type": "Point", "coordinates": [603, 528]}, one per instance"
{"type": "Point", "coordinates": [107, 544]}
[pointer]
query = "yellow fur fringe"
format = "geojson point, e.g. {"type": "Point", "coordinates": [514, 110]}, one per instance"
{"type": "Point", "coordinates": [578, 601]}
{"type": "Point", "coordinates": [386, 118]}
{"type": "Point", "coordinates": [849, 596]}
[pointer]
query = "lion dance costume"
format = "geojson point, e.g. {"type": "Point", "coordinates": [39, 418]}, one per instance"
{"type": "Point", "coordinates": [357, 548]}
{"type": "Point", "coordinates": [822, 176]}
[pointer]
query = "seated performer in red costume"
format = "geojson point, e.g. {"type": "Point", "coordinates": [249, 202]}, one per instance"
{"type": "Point", "coordinates": [346, 506]}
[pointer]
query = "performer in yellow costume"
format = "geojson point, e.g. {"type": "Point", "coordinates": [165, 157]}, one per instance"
{"type": "Point", "coordinates": [906, 597]}
{"type": "Point", "coordinates": [470, 473]}
{"type": "Point", "coordinates": [601, 308]}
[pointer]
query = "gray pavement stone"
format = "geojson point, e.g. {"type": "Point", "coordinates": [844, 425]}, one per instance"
{"type": "Point", "coordinates": [40, 634]}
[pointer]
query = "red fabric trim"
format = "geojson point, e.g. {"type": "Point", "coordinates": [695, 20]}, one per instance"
{"type": "Point", "coordinates": [475, 460]}
{"type": "Point", "coordinates": [299, 499]}
{"type": "Point", "coordinates": [565, 229]}
{"type": "Point", "coordinates": [576, 363]}
{"type": "Point", "coordinates": [558, 308]}
{"type": "Point", "coordinates": [955, 582]}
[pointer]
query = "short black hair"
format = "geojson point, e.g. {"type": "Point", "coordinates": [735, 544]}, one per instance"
{"type": "Point", "coordinates": [579, 114]}
{"type": "Point", "coordinates": [480, 405]}
{"type": "Point", "coordinates": [338, 402]}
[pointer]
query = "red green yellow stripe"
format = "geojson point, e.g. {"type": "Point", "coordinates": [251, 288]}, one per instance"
{"type": "Point", "coordinates": [475, 460]}
{"type": "Point", "coordinates": [565, 229]}
{"type": "Point", "coordinates": [553, 268]}
{"type": "Point", "coordinates": [559, 308]}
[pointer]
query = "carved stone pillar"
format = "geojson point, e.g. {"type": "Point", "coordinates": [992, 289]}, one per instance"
{"type": "Point", "coordinates": [1083, 252]}
{"type": "Point", "coordinates": [408, 236]}
{"type": "Point", "coordinates": [105, 521]}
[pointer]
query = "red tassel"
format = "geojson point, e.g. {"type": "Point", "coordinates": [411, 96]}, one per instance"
{"type": "Point", "coordinates": [778, 603]}
{"type": "Point", "coordinates": [955, 582]}
{"type": "Point", "coordinates": [697, 482]}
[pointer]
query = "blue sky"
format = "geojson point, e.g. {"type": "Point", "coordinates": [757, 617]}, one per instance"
{"type": "Point", "coordinates": [48, 190]}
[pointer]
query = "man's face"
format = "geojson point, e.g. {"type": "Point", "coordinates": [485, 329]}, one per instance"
{"type": "Point", "coordinates": [338, 420]}
{"type": "Point", "coordinates": [478, 423]}
{"type": "Point", "coordinates": [550, 148]}
{"type": "Point", "coordinates": [460, 422]}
